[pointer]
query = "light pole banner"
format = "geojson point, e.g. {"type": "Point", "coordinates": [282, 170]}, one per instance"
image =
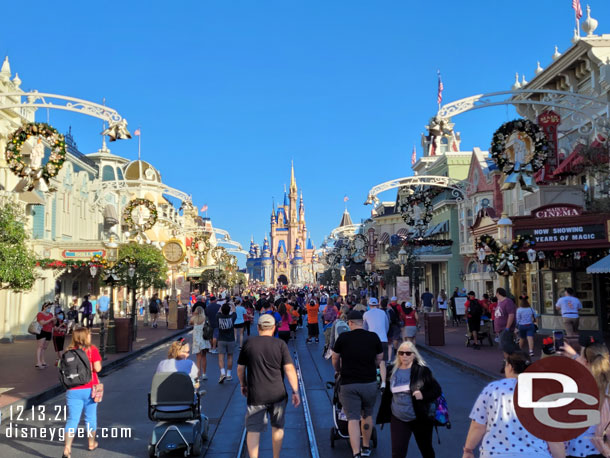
{"type": "Point", "coordinates": [403, 289]}
{"type": "Point", "coordinates": [343, 288]}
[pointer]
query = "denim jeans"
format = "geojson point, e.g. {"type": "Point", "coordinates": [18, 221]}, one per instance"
{"type": "Point", "coordinates": [77, 400]}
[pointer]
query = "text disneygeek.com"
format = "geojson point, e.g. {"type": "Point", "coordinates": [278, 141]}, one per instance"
{"type": "Point", "coordinates": [14, 431]}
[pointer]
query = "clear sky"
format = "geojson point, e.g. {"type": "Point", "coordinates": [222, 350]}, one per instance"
{"type": "Point", "coordinates": [227, 92]}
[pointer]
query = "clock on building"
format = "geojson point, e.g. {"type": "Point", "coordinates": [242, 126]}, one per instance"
{"type": "Point", "coordinates": [174, 251]}
{"type": "Point", "coordinates": [281, 256]}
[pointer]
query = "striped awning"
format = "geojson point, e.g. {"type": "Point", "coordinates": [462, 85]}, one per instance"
{"type": "Point", "coordinates": [385, 238]}
{"type": "Point", "coordinates": [403, 232]}
{"type": "Point", "coordinates": [600, 267]}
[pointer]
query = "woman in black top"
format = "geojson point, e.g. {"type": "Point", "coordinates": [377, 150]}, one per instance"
{"type": "Point", "coordinates": [406, 400]}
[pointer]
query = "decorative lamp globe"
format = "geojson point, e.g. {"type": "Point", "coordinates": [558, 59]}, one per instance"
{"type": "Point", "coordinates": [531, 255]}
{"type": "Point", "coordinates": [402, 256]}
{"type": "Point", "coordinates": [368, 265]}
{"type": "Point", "coordinates": [481, 254]}
{"type": "Point", "coordinates": [131, 271]}
{"type": "Point", "coordinates": [342, 270]}
{"type": "Point", "coordinates": [93, 270]}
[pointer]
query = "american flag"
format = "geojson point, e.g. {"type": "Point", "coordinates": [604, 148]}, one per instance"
{"type": "Point", "coordinates": [414, 156]}
{"type": "Point", "coordinates": [439, 98]}
{"type": "Point", "coordinates": [137, 132]}
{"type": "Point", "coordinates": [204, 208]}
{"type": "Point", "coordinates": [577, 8]}
{"type": "Point", "coordinates": [345, 198]}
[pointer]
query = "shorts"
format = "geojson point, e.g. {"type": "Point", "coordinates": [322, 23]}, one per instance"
{"type": "Point", "coordinates": [152, 310]}
{"type": "Point", "coordinates": [256, 416]}
{"type": "Point", "coordinates": [314, 329]}
{"type": "Point", "coordinates": [526, 330]}
{"type": "Point", "coordinates": [58, 343]}
{"type": "Point", "coordinates": [394, 333]}
{"type": "Point", "coordinates": [284, 335]}
{"type": "Point", "coordinates": [44, 335]}
{"type": "Point", "coordinates": [215, 333]}
{"type": "Point", "coordinates": [293, 327]}
{"type": "Point", "coordinates": [474, 324]}
{"type": "Point", "coordinates": [384, 346]}
{"type": "Point", "coordinates": [409, 331]}
{"type": "Point", "coordinates": [239, 325]}
{"type": "Point", "coordinates": [358, 399]}
{"type": "Point", "coordinates": [225, 347]}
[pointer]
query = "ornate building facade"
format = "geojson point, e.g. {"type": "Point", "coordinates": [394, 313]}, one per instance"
{"type": "Point", "coordinates": [287, 255]}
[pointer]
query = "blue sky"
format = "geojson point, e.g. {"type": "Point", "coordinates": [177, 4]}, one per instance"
{"type": "Point", "coordinates": [228, 92]}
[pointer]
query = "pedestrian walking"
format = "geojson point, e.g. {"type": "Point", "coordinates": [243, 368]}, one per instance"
{"type": "Point", "coordinates": [330, 314]}
{"type": "Point", "coordinates": [226, 340]}
{"type": "Point", "coordinates": [505, 312]}
{"type": "Point", "coordinates": [394, 338]}
{"type": "Point", "coordinates": [474, 312]}
{"type": "Point", "coordinates": [46, 319]}
{"type": "Point", "coordinates": [526, 320]}
{"type": "Point", "coordinates": [284, 327]}
{"type": "Point", "coordinates": [406, 401]}
{"type": "Point", "coordinates": [295, 317]}
{"type": "Point", "coordinates": [411, 320]}
{"type": "Point", "coordinates": [201, 345]}
{"type": "Point", "coordinates": [495, 425]}
{"type": "Point", "coordinates": [93, 300]}
{"type": "Point", "coordinates": [376, 320]}
{"type": "Point", "coordinates": [441, 301]}
{"type": "Point", "coordinates": [166, 308]}
{"type": "Point", "coordinates": [60, 328]}
{"type": "Point", "coordinates": [79, 398]}
{"type": "Point", "coordinates": [154, 307]}
{"type": "Point", "coordinates": [72, 315]}
{"type": "Point", "coordinates": [85, 310]}
{"type": "Point", "coordinates": [248, 317]}
{"type": "Point", "coordinates": [211, 312]}
{"type": "Point", "coordinates": [355, 357]}
{"type": "Point", "coordinates": [313, 328]}
{"type": "Point", "coordinates": [240, 322]}
{"type": "Point", "coordinates": [455, 318]}
{"type": "Point", "coordinates": [261, 366]}
{"type": "Point", "coordinates": [570, 306]}
{"type": "Point", "coordinates": [427, 300]}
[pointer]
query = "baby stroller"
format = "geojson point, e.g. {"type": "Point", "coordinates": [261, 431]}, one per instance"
{"type": "Point", "coordinates": [485, 332]}
{"type": "Point", "coordinates": [175, 406]}
{"type": "Point", "coordinates": [340, 431]}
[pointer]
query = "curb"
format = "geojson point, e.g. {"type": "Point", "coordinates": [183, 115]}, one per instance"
{"type": "Point", "coordinates": [55, 390]}
{"type": "Point", "coordinates": [460, 364]}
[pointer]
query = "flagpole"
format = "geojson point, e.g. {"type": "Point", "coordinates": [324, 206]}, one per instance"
{"type": "Point", "coordinates": [139, 144]}
{"type": "Point", "coordinates": [577, 23]}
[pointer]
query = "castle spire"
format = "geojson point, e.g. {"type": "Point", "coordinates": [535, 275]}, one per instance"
{"type": "Point", "coordinates": [293, 182]}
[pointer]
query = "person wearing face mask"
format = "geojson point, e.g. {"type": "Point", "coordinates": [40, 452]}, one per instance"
{"type": "Point", "coordinates": [60, 328]}
{"type": "Point", "coordinates": [46, 319]}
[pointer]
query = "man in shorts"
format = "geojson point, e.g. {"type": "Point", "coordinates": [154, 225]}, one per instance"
{"type": "Point", "coordinates": [210, 313]}
{"type": "Point", "coordinates": [262, 362]}
{"type": "Point", "coordinates": [355, 357]}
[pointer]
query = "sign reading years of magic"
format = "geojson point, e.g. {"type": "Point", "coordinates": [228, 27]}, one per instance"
{"type": "Point", "coordinates": [570, 234]}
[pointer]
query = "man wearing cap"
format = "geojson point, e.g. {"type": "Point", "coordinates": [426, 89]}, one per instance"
{"type": "Point", "coordinates": [262, 362]}
{"type": "Point", "coordinates": [355, 356]}
{"type": "Point", "coordinates": [376, 320]}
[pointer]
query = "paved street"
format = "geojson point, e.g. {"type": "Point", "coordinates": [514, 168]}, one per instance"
{"type": "Point", "coordinates": [124, 406]}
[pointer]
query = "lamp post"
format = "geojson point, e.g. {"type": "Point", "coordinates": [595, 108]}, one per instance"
{"type": "Point", "coordinates": [184, 268]}
{"type": "Point", "coordinates": [402, 260]}
{"type": "Point", "coordinates": [505, 237]}
{"type": "Point", "coordinates": [131, 271]}
{"type": "Point", "coordinates": [108, 342]}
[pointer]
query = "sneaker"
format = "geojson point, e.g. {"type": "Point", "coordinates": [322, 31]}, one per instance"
{"type": "Point", "coordinates": [366, 451]}
{"type": "Point", "coordinates": [317, 340]}
{"type": "Point", "coordinates": [228, 378]}
{"type": "Point", "coordinates": [531, 352]}
{"type": "Point", "coordinates": [497, 340]}
{"type": "Point", "coordinates": [222, 378]}
{"type": "Point", "coordinates": [204, 377]}
{"type": "Point", "coordinates": [308, 341]}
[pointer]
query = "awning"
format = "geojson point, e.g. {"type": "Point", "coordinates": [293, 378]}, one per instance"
{"type": "Point", "coordinates": [600, 267]}
{"type": "Point", "coordinates": [403, 232]}
{"type": "Point", "coordinates": [385, 238]}
{"type": "Point", "coordinates": [440, 228]}
{"type": "Point", "coordinates": [31, 197]}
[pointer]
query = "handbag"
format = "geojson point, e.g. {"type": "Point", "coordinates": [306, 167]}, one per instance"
{"type": "Point", "coordinates": [97, 392]}
{"type": "Point", "coordinates": [535, 321]}
{"type": "Point", "coordinates": [35, 327]}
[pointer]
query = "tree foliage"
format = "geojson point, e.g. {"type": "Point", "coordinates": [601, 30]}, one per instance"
{"type": "Point", "coordinates": [17, 262]}
{"type": "Point", "coordinates": [150, 265]}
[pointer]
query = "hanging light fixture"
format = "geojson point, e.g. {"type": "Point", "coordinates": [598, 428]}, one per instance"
{"type": "Point", "coordinates": [93, 270]}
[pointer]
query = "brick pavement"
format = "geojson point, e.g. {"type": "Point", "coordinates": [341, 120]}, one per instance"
{"type": "Point", "coordinates": [21, 381]}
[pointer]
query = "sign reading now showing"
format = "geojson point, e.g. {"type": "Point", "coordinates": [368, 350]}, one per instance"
{"type": "Point", "coordinates": [568, 234]}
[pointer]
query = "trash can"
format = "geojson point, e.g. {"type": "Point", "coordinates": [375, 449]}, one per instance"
{"type": "Point", "coordinates": [122, 333]}
{"type": "Point", "coordinates": [434, 329]}
{"type": "Point", "coordinates": [182, 317]}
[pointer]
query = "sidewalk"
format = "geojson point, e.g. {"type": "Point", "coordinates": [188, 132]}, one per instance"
{"type": "Point", "coordinates": [485, 362]}
{"type": "Point", "coordinates": [23, 384]}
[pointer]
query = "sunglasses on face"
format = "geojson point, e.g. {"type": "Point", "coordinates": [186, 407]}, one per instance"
{"type": "Point", "coordinates": [405, 353]}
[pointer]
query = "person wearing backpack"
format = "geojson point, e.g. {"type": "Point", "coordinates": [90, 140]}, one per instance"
{"type": "Point", "coordinates": [83, 359]}
{"type": "Point", "coordinates": [474, 311]}
{"type": "Point", "coordinates": [201, 340]}
{"type": "Point", "coordinates": [406, 402]}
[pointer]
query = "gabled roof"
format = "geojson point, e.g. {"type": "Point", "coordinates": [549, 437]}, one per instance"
{"type": "Point", "coordinates": [346, 219]}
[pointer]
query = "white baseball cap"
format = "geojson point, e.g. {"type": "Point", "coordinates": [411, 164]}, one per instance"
{"type": "Point", "coordinates": [394, 299]}
{"type": "Point", "coordinates": [373, 301]}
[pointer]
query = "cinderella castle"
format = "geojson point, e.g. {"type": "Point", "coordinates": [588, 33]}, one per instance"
{"type": "Point", "coordinates": [288, 257]}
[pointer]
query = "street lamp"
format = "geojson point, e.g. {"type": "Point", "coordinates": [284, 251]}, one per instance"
{"type": "Point", "coordinates": [342, 272]}
{"type": "Point", "coordinates": [368, 266]}
{"type": "Point", "coordinates": [531, 255]}
{"type": "Point", "coordinates": [505, 236]}
{"type": "Point", "coordinates": [108, 343]}
{"type": "Point", "coordinates": [131, 271]}
{"type": "Point", "coordinates": [481, 254]}
{"type": "Point", "coordinates": [93, 271]}
{"type": "Point", "coordinates": [402, 260]}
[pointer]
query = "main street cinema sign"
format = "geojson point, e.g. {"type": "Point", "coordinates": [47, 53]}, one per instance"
{"type": "Point", "coordinates": [564, 226]}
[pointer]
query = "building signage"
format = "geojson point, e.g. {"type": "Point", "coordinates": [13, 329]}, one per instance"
{"type": "Point", "coordinates": [403, 289]}
{"type": "Point", "coordinates": [82, 254]}
{"type": "Point", "coordinates": [549, 122]}
{"type": "Point", "coordinates": [568, 235]}
{"type": "Point", "coordinates": [557, 211]}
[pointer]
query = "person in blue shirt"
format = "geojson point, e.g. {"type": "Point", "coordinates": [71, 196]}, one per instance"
{"type": "Point", "coordinates": [103, 304]}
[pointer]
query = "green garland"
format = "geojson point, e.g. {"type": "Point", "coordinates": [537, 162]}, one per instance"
{"type": "Point", "coordinates": [149, 223]}
{"type": "Point", "coordinates": [15, 143]}
{"type": "Point", "coordinates": [505, 260]}
{"type": "Point", "coordinates": [500, 137]}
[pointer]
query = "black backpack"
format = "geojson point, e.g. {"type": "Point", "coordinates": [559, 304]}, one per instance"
{"type": "Point", "coordinates": [475, 308]}
{"type": "Point", "coordinates": [74, 369]}
{"type": "Point", "coordinates": [208, 331]}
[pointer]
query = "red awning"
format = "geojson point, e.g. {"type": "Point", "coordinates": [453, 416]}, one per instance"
{"type": "Point", "coordinates": [570, 165]}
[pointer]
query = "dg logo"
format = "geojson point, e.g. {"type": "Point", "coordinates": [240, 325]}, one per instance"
{"type": "Point", "coordinates": [556, 399]}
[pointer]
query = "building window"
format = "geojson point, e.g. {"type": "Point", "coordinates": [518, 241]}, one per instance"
{"type": "Point", "coordinates": [108, 173]}
{"type": "Point", "coordinates": [473, 267]}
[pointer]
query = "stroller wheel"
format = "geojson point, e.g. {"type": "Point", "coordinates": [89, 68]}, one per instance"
{"type": "Point", "coordinates": [333, 434]}
{"type": "Point", "coordinates": [374, 437]}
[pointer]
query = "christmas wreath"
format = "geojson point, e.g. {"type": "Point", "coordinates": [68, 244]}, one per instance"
{"type": "Point", "coordinates": [201, 245]}
{"type": "Point", "coordinates": [150, 221]}
{"type": "Point", "coordinates": [407, 201]}
{"type": "Point", "coordinates": [516, 171]}
{"type": "Point", "coordinates": [35, 170]}
{"type": "Point", "coordinates": [504, 259]}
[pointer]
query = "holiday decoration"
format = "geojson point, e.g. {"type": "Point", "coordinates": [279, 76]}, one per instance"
{"type": "Point", "coordinates": [427, 242]}
{"type": "Point", "coordinates": [410, 203]}
{"type": "Point", "coordinates": [505, 259]}
{"type": "Point", "coordinates": [98, 261]}
{"type": "Point", "coordinates": [201, 245]}
{"type": "Point", "coordinates": [27, 141]}
{"type": "Point", "coordinates": [140, 214]}
{"type": "Point", "coordinates": [519, 149]}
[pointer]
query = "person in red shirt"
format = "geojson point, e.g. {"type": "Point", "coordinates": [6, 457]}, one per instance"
{"type": "Point", "coordinates": [312, 321]}
{"type": "Point", "coordinates": [46, 319]}
{"type": "Point", "coordinates": [79, 398]}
